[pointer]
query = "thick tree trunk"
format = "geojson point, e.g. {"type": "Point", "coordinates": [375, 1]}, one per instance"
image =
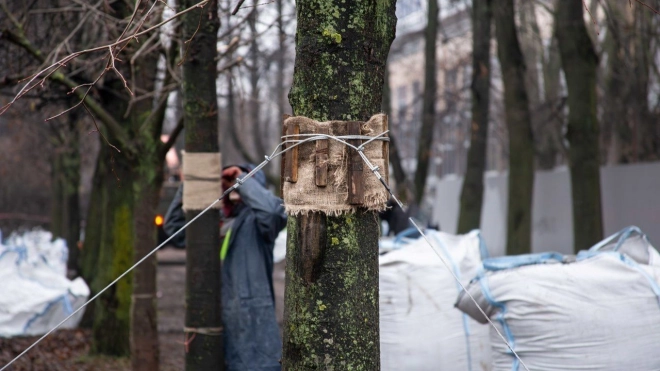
{"type": "Point", "coordinates": [580, 63]}
{"type": "Point", "coordinates": [331, 319]}
{"type": "Point", "coordinates": [473, 184]}
{"type": "Point", "coordinates": [109, 238]}
{"type": "Point", "coordinates": [203, 274]}
{"type": "Point", "coordinates": [521, 146]}
{"type": "Point", "coordinates": [425, 141]}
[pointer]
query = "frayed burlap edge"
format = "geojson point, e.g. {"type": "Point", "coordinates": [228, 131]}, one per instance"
{"type": "Point", "coordinates": [304, 197]}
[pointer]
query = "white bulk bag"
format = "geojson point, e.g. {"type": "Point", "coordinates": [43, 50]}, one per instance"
{"type": "Point", "coordinates": [419, 327]}
{"type": "Point", "coordinates": [599, 311]}
{"type": "Point", "coordinates": [35, 294]}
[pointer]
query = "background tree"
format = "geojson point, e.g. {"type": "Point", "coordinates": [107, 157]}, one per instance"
{"type": "Point", "coordinates": [521, 146]}
{"type": "Point", "coordinates": [580, 64]}
{"type": "Point", "coordinates": [428, 105]}
{"type": "Point", "coordinates": [129, 118]}
{"type": "Point", "coordinates": [200, 107]}
{"type": "Point", "coordinates": [472, 192]}
{"type": "Point", "coordinates": [341, 52]}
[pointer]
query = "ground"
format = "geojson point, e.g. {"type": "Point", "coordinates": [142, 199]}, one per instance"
{"type": "Point", "coordinates": [66, 350]}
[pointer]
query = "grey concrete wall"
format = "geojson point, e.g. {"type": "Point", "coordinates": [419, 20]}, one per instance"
{"type": "Point", "coordinates": [630, 196]}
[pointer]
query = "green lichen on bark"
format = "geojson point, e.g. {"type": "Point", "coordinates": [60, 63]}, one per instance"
{"type": "Point", "coordinates": [331, 298]}
{"type": "Point", "coordinates": [332, 322]}
{"type": "Point", "coordinates": [347, 73]}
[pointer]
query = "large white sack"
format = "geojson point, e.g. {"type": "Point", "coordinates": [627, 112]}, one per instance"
{"type": "Point", "coordinates": [35, 294]}
{"type": "Point", "coordinates": [419, 327]}
{"type": "Point", "coordinates": [600, 311]}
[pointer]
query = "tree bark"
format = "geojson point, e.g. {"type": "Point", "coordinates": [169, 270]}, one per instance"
{"type": "Point", "coordinates": [550, 145]}
{"type": "Point", "coordinates": [400, 178]}
{"type": "Point", "coordinates": [580, 63]}
{"type": "Point", "coordinates": [331, 313]}
{"type": "Point", "coordinates": [149, 164]}
{"type": "Point", "coordinates": [144, 318]}
{"type": "Point", "coordinates": [521, 147]}
{"type": "Point", "coordinates": [65, 207]}
{"type": "Point", "coordinates": [472, 192]}
{"type": "Point", "coordinates": [203, 274]}
{"type": "Point", "coordinates": [111, 235]}
{"type": "Point", "coordinates": [424, 150]}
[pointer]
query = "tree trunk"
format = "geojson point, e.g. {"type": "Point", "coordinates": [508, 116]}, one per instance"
{"type": "Point", "coordinates": [521, 147]}
{"type": "Point", "coordinates": [203, 274]}
{"type": "Point", "coordinates": [65, 208]}
{"type": "Point", "coordinates": [424, 150]}
{"type": "Point", "coordinates": [109, 237]}
{"type": "Point", "coordinates": [532, 49]}
{"type": "Point", "coordinates": [144, 319]}
{"type": "Point", "coordinates": [254, 103]}
{"type": "Point", "coordinates": [550, 143]}
{"type": "Point", "coordinates": [473, 184]}
{"type": "Point", "coordinates": [580, 62]}
{"type": "Point", "coordinates": [331, 320]}
{"type": "Point", "coordinates": [149, 164]}
{"type": "Point", "coordinates": [400, 179]}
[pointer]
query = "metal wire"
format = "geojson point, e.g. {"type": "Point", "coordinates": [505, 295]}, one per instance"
{"type": "Point", "coordinates": [290, 144]}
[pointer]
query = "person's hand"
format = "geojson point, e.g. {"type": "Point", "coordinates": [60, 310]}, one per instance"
{"type": "Point", "coordinates": [229, 176]}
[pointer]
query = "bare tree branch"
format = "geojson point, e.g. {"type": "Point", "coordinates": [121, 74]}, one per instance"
{"type": "Point", "coordinates": [172, 139]}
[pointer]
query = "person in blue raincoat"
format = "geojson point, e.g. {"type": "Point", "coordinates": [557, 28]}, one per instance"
{"type": "Point", "coordinates": [253, 217]}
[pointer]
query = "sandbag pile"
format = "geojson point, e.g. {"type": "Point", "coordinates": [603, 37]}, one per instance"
{"type": "Point", "coordinates": [35, 294]}
{"type": "Point", "coordinates": [419, 327]}
{"type": "Point", "coordinates": [599, 310]}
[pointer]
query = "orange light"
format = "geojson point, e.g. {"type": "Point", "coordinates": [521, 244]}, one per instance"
{"type": "Point", "coordinates": [159, 220]}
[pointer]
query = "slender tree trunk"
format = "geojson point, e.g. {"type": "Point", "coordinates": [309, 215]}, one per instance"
{"type": "Point", "coordinates": [144, 319]}
{"type": "Point", "coordinates": [395, 159]}
{"type": "Point", "coordinates": [331, 321]}
{"type": "Point", "coordinates": [580, 63]}
{"type": "Point", "coordinates": [281, 62]}
{"type": "Point", "coordinates": [424, 150]}
{"type": "Point", "coordinates": [203, 274]}
{"type": "Point", "coordinates": [473, 185]}
{"type": "Point", "coordinates": [550, 144]}
{"type": "Point", "coordinates": [254, 103]}
{"type": "Point", "coordinates": [149, 164]}
{"type": "Point", "coordinates": [521, 147]}
{"type": "Point", "coordinates": [65, 208]}
{"type": "Point", "coordinates": [532, 49]}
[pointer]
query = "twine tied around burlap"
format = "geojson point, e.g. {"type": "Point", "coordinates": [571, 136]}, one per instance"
{"type": "Point", "coordinates": [304, 196]}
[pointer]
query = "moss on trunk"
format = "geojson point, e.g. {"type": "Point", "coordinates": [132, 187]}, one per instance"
{"type": "Point", "coordinates": [114, 235]}
{"type": "Point", "coordinates": [331, 296]}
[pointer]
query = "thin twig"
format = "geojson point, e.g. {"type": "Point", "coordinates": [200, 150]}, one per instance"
{"type": "Point", "coordinates": [238, 6]}
{"type": "Point", "coordinates": [188, 42]}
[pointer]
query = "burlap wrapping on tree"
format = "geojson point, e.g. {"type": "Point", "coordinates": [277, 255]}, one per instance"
{"type": "Point", "coordinates": [201, 180]}
{"type": "Point", "coordinates": [304, 196]}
